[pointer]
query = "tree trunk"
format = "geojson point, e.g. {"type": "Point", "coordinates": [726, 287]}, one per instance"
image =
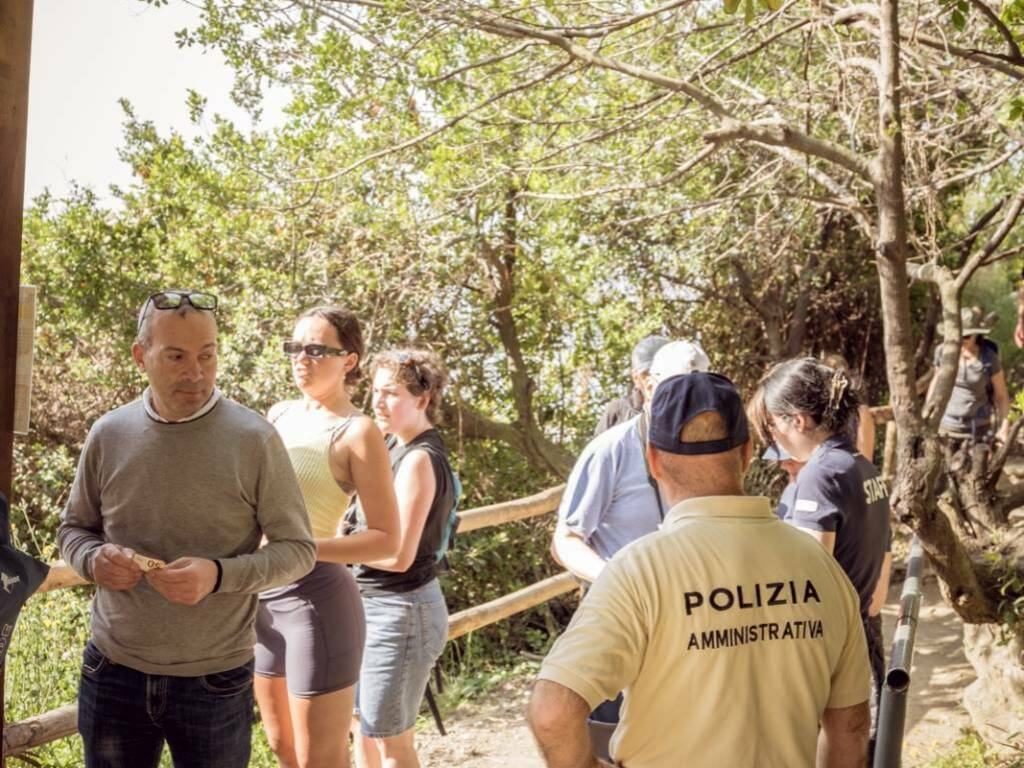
{"type": "Point", "coordinates": [995, 701]}
{"type": "Point", "coordinates": [524, 432]}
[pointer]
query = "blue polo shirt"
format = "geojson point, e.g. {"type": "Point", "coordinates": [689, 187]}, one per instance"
{"type": "Point", "coordinates": [840, 491]}
{"type": "Point", "coordinates": [608, 500]}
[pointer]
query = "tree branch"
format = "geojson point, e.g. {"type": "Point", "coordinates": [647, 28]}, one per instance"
{"type": "Point", "coordinates": [778, 133]}
{"type": "Point", "coordinates": [856, 13]}
{"type": "Point", "coordinates": [1001, 28]}
{"type": "Point", "coordinates": [999, 460]}
{"type": "Point", "coordinates": [450, 123]}
{"type": "Point", "coordinates": [979, 258]}
{"type": "Point", "coordinates": [677, 174]}
{"type": "Point", "coordinates": [769, 133]}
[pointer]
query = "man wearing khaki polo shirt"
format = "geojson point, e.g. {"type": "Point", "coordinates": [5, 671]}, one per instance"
{"type": "Point", "coordinates": [732, 634]}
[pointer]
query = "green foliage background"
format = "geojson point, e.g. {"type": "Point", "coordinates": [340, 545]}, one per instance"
{"type": "Point", "coordinates": [565, 180]}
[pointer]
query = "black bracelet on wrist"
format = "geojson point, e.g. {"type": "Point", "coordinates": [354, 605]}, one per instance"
{"type": "Point", "coordinates": [220, 575]}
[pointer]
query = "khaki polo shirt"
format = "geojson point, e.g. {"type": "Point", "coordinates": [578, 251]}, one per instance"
{"type": "Point", "coordinates": [730, 633]}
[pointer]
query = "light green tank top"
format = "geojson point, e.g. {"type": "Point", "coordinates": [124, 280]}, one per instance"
{"type": "Point", "coordinates": [308, 436]}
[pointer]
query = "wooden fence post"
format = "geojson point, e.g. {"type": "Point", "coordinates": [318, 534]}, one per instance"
{"type": "Point", "coordinates": [15, 51]}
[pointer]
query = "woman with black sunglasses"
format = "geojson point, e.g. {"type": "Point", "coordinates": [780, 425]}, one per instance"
{"type": "Point", "coordinates": [310, 635]}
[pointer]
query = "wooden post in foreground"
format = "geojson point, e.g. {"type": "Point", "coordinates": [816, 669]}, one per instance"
{"type": "Point", "coordinates": [15, 51]}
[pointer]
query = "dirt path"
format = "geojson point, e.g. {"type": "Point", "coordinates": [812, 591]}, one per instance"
{"type": "Point", "coordinates": [940, 672]}
{"type": "Point", "coordinates": [490, 732]}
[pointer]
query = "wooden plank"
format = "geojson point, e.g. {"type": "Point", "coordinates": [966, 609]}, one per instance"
{"type": "Point", "coordinates": [466, 621]}
{"type": "Point", "coordinates": [19, 738]}
{"type": "Point", "coordinates": [60, 576]}
{"type": "Point", "coordinates": [15, 50]}
{"type": "Point", "coordinates": [508, 511]}
{"type": "Point", "coordinates": [15, 57]}
{"type": "Point", "coordinates": [881, 413]}
{"type": "Point", "coordinates": [26, 349]}
{"type": "Point", "coordinates": [889, 455]}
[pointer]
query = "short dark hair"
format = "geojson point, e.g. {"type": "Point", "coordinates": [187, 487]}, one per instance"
{"type": "Point", "coordinates": [350, 334]}
{"type": "Point", "coordinates": [418, 370]}
{"type": "Point", "coordinates": [804, 385]}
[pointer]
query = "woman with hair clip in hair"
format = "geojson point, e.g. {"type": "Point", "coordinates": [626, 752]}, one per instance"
{"type": "Point", "coordinates": [406, 616]}
{"type": "Point", "coordinates": [310, 634]}
{"type": "Point", "coordinates": [805, 408]}
{"type": "Point", "coordinates": [863, 425]}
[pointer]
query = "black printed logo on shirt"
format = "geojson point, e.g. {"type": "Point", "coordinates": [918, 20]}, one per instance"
{"type": "Point", "coordinates": [769, 593]}
{"type": "Point", "coordinates": [755, 633]}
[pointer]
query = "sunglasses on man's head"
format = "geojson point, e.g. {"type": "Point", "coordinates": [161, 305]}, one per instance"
{"type": "Point", "coordinates": [174, 299]}
{"type": "Point", "coordinates": [313, 351]}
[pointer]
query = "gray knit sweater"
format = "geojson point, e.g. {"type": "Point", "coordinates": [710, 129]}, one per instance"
{"type": "Point", "coordinates": [206, 488]}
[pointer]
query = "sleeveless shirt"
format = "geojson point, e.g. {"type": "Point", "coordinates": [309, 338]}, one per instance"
{"type": "Point", "coordinates": [308, 437]}
{"type": "Point", "coordinates": [376, 583]}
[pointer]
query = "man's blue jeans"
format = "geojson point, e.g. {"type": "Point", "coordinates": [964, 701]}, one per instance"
{"type": "Point", "coordinates": [125, 716]}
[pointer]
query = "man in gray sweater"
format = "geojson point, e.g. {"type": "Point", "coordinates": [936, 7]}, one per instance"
{"type": "Point", "coordinates": [173, 495]}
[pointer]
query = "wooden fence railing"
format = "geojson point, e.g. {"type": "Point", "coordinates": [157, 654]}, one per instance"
{"type": "Point", "coordinates": [21, 737]}
{"type": "Point", "coordinates": [58, 723]}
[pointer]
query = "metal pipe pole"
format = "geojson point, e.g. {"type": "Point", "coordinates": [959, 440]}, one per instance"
{"type": "Point", "coordinates": [15, 53]}
{"type": "Point", "coordinates": [892, 712]}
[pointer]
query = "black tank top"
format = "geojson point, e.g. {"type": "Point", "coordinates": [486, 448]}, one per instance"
{"type": "Point", "coordinates": [424, 567]}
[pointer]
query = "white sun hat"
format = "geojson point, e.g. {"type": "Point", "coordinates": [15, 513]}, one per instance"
{"type": "Point", "coordinates": [678, 357]}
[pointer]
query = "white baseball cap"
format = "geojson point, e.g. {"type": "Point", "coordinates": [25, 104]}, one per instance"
{"type": "Point", "coordinates": [678, 357]}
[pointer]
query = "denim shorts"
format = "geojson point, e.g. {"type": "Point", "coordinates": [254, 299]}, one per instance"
{"type": "Point", "coordinates": [405, 634]}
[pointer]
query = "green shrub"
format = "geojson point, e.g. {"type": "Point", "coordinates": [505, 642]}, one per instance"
{"type": "Point", "coordinates": [971, 752]}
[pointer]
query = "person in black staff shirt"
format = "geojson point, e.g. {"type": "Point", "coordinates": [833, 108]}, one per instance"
{"type": "Point", "coordinates": [630, 404]}
{"type": "Point", "coordinates": [805, 408]}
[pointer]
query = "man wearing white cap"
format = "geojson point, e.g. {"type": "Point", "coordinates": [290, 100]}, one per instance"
{"type": "Point", "coordinates": [609, 499]}
{"type": "Point", "coordinates": [629, 405]}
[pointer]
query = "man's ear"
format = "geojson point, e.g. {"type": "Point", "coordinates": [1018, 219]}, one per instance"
{"type": "Point", "coordinates": [746, 455]}
{"type": "Point", "coordinates": [640, 382]}
{"type": "Point", "coordinates": [649, 385]}
{"type": "Point", "coordinates": [139, 356]}
{"type": "Point", "coordinates": [654, 462]}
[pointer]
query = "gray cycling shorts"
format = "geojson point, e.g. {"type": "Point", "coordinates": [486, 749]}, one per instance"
{"type": "Point", "coordinates": [312, 632]}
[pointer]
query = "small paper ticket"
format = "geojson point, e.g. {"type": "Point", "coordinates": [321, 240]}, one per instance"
{"type": "Point", "coordinates": [148, 563]}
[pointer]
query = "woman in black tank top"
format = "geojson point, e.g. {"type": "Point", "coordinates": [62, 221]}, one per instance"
{"type": "Point", "coordinates": [406, 617]}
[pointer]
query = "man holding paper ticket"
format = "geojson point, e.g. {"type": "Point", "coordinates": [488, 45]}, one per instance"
{"type": "Point", "coordinates": [173, 495]}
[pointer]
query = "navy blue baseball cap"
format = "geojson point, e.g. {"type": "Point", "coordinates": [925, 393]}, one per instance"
{"type": "Point", "coordinates": [679, 399]}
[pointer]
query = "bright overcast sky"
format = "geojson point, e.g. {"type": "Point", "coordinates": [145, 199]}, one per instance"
{"type": "Point", "coordinates": [87, 54]}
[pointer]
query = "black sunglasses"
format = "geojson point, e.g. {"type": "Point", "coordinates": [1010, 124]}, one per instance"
{"type": "Point", "coordinates": [174, 299]}
{"type": "Point", "coordinates": [406, 360]}
{"type": "Point", "coordinates": [313, 351]}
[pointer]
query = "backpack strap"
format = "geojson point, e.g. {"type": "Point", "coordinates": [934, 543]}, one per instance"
{"type": "Point", "coordinates": [644, 427]}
